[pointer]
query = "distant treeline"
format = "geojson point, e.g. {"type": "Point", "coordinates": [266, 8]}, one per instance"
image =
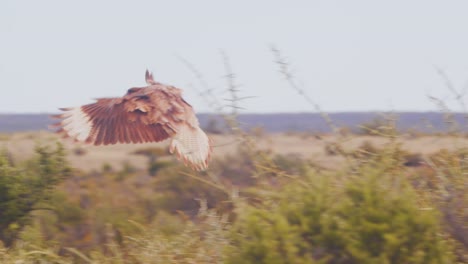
{"type": "Point", "coordinates": [427, 122]}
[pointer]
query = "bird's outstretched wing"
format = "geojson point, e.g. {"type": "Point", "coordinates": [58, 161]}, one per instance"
{"type": "Point", "coordinates": [111, 121]}
{"type": "Point", "coordinates": [147, 114]}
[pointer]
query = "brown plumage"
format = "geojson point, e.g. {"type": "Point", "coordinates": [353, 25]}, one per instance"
{"type": "Point", "coordinates": [144, 114]}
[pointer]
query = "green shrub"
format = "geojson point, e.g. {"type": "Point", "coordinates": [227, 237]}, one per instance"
{"type": "Point", "coordinates": [445, 182]}
{"type": "Point", "coordinates": [372, 218]}
{"type": "Point", "coordinates": [178, 192]}
{"type": "Point", "coordinates": [25, 186]}
{"type": "Point", "coordinates": [380, 222]}
{"type": "Point", "coordinates": [153, 155]}
{"type": "Point", "coordinates": [171, 240]}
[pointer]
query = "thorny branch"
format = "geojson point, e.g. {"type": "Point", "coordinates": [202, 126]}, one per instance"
{"type": "Point", "coordinates": [284, 69]}
{"type": "Point", "coordinates": [207, 95]}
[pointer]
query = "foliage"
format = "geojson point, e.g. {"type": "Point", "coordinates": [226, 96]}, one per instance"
{"type": "Point", "coordinates": [27, 186]}
{"type": "Point", "coordinates": [372, 219]}
{"type": "Point", "coordinates": [153, 155]}
{"type": "Point", "coordinates": [25, 254]}
{"type": "Point", "coordinates": [383, 224]}
{"type": "Point", "coordinates": [365, 150]}
{"type": "Point", "coordinates": [291, 164]}
{"type": "Point", "coordinates": [333, 149]}
{"type": "Point", "coordinates": [378, 126]}
{"type": "Point", "coordinates": [236, 168]}
{"type": "Point", "coordinates": [186, 243]}
{"type": "Point", "coordinates": [177, 192]}
{"type": "Point", "coordinates": [444, 181]}
{"type": "Point", "coordinates": [169, 239]}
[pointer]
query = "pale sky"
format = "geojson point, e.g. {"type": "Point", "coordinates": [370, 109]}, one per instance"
{"type": "Point", "coordinates": [347, 55]}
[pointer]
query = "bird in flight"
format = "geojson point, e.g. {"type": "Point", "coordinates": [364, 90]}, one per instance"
{"type": "Point", "coordinates": [144, 114]}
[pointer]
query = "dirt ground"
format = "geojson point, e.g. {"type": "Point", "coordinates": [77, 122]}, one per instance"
{"type": "Point", "coordinates": [87, 158]}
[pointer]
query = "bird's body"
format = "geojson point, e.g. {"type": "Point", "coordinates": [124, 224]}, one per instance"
{"type": "Point", "coordinates": [144, 114]}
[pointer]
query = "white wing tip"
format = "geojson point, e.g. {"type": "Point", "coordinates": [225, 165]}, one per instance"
{"type": "Point", "coordinates": [75, 124]}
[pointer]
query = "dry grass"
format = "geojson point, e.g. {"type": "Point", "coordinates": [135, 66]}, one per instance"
{"type": "Point", "coordinates": [22, 145]}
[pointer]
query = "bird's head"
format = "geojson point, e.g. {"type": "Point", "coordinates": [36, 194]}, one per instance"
{"type": "Point", "coordinates": [138, 93]}
{"type": "Point", "coordinates": [134, 90]}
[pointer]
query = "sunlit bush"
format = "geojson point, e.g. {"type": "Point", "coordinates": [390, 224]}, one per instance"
{"type": "Point", "coordinates": [372, 218]}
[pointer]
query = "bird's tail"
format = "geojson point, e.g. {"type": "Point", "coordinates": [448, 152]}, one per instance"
{"type": "Point", "coordinates": [192, 146]}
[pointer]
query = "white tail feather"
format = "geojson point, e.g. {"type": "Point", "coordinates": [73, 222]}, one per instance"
{"type": "Point", "coordinates": [192, 146]}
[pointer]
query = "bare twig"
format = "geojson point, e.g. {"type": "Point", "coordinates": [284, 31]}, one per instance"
{"type": "Point", "coordinates": [207, 94]}
{"type": "Point", "coordinates": [284, 69]}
